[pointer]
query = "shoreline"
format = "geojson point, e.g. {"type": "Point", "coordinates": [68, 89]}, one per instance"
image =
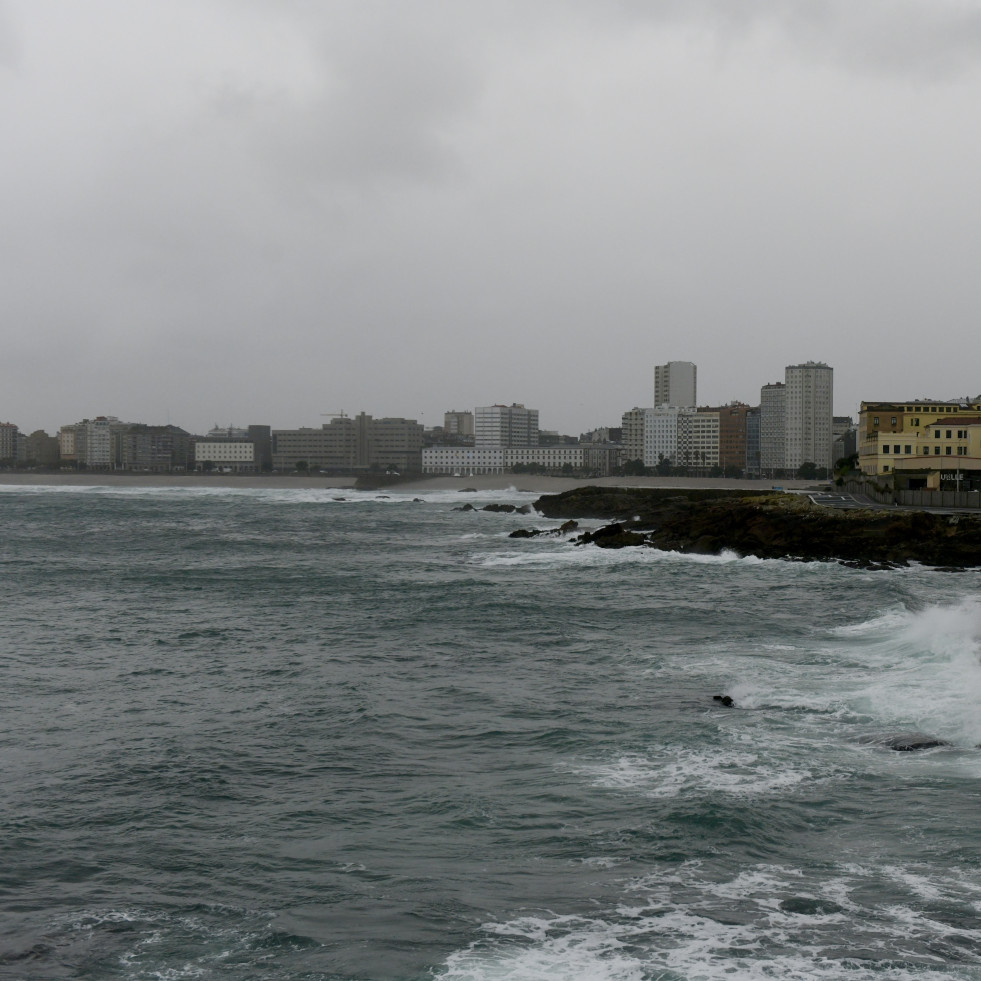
{"type": "Point", "coordinates": [527, 483]}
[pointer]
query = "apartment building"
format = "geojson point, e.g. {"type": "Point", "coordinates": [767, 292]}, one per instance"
{"type": "Point", "coordinates": [675, 384]}
{"type": "Point", "coordinates": [808, 435]}
{"type": "Point", "coordinates": [505, 425]}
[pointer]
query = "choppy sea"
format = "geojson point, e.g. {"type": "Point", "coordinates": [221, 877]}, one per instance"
{"type": "Point", "coordinates": [271, 734]}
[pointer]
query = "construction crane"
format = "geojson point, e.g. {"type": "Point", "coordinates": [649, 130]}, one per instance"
{"type": "Point", "coordinates": [336, 415]}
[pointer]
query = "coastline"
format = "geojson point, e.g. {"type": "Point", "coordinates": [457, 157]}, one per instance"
{"type": "Point", "coordinates": [530, 483]}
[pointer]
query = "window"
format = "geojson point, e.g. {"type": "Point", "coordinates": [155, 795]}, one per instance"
{"type": "Point", "coordinates": [936, 451]}
{"type": "Point", "coordinates": [885, 448]}
{"type": "Point", "coordinates": [893, 423]}
{"type": "Point", "coordinates": [962, 451]}
{"type": "Point", "coordinates": [907, 450]}
{"type": "Point", "coordinates": [948, 434]}
{"type": "Point", "coordinates": [948, 451]}
{"type": "Point", "coordinates": [885, 469]}
{"type": "Point", "coordinates": [895, 449]}
{"type": "Point", "coordinates": [936, 434]}
{"type": "Point", "coordinates": [875, 421]}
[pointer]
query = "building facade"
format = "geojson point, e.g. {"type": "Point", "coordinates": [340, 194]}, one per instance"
{"type": "Point", "coordinates": [458, 423]}
{"type": "Point", "coordinates": [674, 384]}
{"type": "Point", "coordinates": [505, 425]}
{"type": "Point", "coordinates": [917, 435]}
{"type": "Point", "coordinates": [8, 442]}
{"type": "Point", "coordinates": [773, 458]}
{"type": "Point", "coordinates": [351, 445]}
{"type": "Point", "coordinates": [808, 412]}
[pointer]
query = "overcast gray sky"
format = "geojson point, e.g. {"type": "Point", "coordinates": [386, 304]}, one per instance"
{"type": "Point", "coordinates": [262, 210]}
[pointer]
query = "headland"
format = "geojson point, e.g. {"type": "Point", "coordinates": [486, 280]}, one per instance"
{"type": "Point", "coordinates": [769, 526]}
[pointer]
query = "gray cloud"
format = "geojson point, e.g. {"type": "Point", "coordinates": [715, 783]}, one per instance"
{"type": "Point", "coordinates": [256, 211]}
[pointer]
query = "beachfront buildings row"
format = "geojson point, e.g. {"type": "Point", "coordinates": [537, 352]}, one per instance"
{"type": "Point", "coordinates": [793, 426]}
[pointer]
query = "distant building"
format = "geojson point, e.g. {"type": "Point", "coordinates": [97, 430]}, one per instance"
{"type": "Point", "coordinates": [753, 442]}
{"type": "Point", "coordinates": [505, 425]}
{"type": "Point", "coordinates": [351, 445]}
{"type": "Point", "coordinates": [472, 461]}
{"type": "Point", "coordinates": [8, 442]}
{"type": "Point", "coordinates": [921, 438]}
{"type": "Point", "coordinates": [732, 435]}
{"type": "Point", "coordinates": [41, 449]}
{"type": "Point", "coordinates": [632, 439]}
{"type": "Point", "coordinates": [808, 408]}
{"type": "Point", "coordinates": [89, 442]}
{"type": "Point", "coordinates": [773, 428]}
{"type": "Point", "coordinates": [225, 454]}
{"type": "Point", "coordinates": [674, 384]}
{"type": "Point", "coordinates": [458, 423]}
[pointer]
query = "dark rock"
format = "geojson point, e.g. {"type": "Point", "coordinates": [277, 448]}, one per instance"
{"type": "Point", "coordinates": [524, 509]}
{"type": "Point", "coordinates": [770, 526]}
{"type": "Point", "coordinates": [907, 742]}
{"type": "Point", "coordinates": [465, 507]}
{"type": "Point", "coordinates": [501, 508]}
{"type": "Point", "coordinates": [468, 490]}
{"type": "Point", "coordinates": [724, 699]}
{"type": "Point", "coordinates": [338, 498]}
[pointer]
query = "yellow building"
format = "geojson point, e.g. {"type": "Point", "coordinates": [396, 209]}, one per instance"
{"type": "Point", "coordinates": [926, 444]}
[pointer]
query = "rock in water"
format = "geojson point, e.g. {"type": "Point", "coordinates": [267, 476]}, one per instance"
{"type": "Point", "coordinates": [726, 700]}
{"type": "Point", "coordinates": [907, 742]}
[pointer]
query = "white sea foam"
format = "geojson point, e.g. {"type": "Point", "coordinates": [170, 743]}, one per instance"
{"type": "Point", "coordinates": [670, 771]}
{"type": "Point", "coordinates": [924, 669]}
{"type": "Point", "coordinates": [590, 556]}
{"type": "Point", "coordinates": [283, 495]}
{"type": "Point", "coordinates": [766, 922]}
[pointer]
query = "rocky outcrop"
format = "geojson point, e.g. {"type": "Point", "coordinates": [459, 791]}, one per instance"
{"type": "Point", "coordinates": [769, 526]}
{"type": "Point", "coordinates": [566, 528]}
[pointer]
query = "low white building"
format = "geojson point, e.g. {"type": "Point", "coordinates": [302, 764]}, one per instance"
{"type": "Point", "coordinates": [463, 460]}
{"type": "Point", "coordinates": [237, 455]}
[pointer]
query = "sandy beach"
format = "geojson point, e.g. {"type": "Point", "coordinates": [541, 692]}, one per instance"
{"type": "Point", "coordinates": [521, 482]}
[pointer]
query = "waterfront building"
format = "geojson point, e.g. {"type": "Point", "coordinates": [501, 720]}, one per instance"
{"type": "Point", "coordinates": [463, 461]}
{"type": "Point", "coordinates": [753, 442]}
{"type": "Point", "coordinates": [469, 461]}
{"type": "Point", "coordinates": [773, 429]}
{"type": "Point", "coordinates": [661, 435]}
{"type": "Point", "coordinates": [632, 430]}
{"type": "Point", "coordinates": [160, 449]}
{"type": "Point", "coordinates": [237, 455]}
{"type": "Point", "coordinates": [350, 445]}
{"type": "Point", "coordinates": [808, 412]}
{"type": "Point", "coordinates": [41, 449]}
{"type": "Point", "coordinates": [674, 384]}
{"type": "Point", "coordinates": [8, 442]}
{"type": "Point", "coordinates": [916, 434]}
{"type": "Point", "coordinates": [505, 425]}
{"type": "Point", "coordinates": [732, 435]}
{"type": "Point", "coordinates": [90, 441]}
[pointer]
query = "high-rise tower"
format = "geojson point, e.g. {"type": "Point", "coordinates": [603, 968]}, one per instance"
{"type": "Point", "coordinates": [674, 384]}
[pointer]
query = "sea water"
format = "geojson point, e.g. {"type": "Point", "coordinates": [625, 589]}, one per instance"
{"type": "Point", "coordinates": [323, 734]}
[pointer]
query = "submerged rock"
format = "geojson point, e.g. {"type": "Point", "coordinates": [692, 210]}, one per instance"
{"type": "Point", "coordinates": [726, 700]}
{"type": "Point", "coordinates": [907, 742]}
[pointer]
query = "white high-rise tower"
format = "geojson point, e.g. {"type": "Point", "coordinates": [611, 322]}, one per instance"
{"type": "Point", "coordinates": [808, 432]}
